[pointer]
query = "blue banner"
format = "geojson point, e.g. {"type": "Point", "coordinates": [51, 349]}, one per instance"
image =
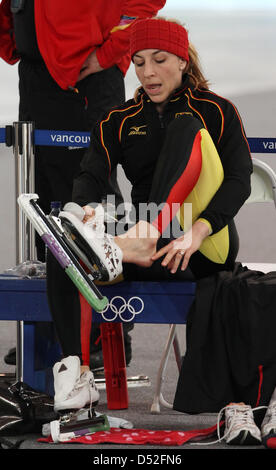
{"type": "Point", "coordinates": [62, 138]}
{"type": "Point", "coordinates": [262, 145]}
{"type": "Point", "coordinates": [2, 135]}
{"type": "Point", "coordinates": [82, 139]}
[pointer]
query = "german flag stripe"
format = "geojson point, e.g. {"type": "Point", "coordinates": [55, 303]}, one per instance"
{"type": "Point", "coordinates": [182, 187]}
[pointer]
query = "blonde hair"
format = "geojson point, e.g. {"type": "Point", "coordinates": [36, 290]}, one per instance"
{"type": "Point", "coordinates": [193, 68]}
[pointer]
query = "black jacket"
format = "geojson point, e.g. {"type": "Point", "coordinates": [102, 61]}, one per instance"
{"type": "Point", "coordinates": [132, 135]}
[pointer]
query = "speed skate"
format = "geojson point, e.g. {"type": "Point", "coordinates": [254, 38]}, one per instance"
{"type": "Point", "coordinates": [75, 424]}
{"type": "Point", "coordinates": [75, 399]}
{"type": "Point", "coordinates": [84, 251]}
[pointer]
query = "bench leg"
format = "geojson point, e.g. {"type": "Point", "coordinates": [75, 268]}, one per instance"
{"type": "Point", "coordinates": [19, 350]}
{"type": "Point", "coordinates": [158, 396]}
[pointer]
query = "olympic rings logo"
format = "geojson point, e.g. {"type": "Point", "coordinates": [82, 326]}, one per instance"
{"type": "Point", "coordinates": [118, 305]}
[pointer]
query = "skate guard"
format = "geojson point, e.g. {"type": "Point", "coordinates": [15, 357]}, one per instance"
{"type": "Point", "coordinates": [65, 252]}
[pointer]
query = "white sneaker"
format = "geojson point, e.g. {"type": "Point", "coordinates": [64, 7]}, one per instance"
{"type": "Point", "coordinates": [240, 427]}
{"type": "Point", "coordinates": [72, 390]}
{"type": "Point", "coordinates": [268, 428]}
{"type": "Point", "coordinates": [91, 238]}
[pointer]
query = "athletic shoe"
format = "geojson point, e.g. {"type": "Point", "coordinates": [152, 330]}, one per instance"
{"type": "Point", "coordinates": [10, 357]}
{"type": "Point", "coordinates": [94, 243]}
{"type": "Point", "coordinates": [73, 390]}
{"type": "Point", "coordinates": [240, 428]}
{"type": "Point", "coordinates": [268, 428]}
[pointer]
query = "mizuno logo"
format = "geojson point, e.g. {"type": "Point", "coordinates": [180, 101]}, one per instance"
{"type": "Point", "coordinates": [181, 114]}
{"type": "Point", "coordinates": [134, 130]}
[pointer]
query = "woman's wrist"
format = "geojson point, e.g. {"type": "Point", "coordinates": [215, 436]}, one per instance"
{"type": "Point", "coordinates": [202, 229]}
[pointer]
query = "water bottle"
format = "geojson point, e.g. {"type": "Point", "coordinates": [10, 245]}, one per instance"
{"type": "Point", "coordinates": [54, 212]}
{"type": "Point", "coordinates": [55, 208]}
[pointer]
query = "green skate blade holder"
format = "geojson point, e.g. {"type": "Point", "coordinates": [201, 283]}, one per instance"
{"type": "Point", "coordinates": [96, 303]}
{"type": "Point", "coordinates": [103, 425]}
{"type": "Point", "coordinates": [86, 426]}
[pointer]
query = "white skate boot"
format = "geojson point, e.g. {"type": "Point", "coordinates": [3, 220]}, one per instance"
{"type": "Point", "coordinates": [76, 396]}
{"type": "Point", "coordinates": [90, 238]}
{"type": "Point", "coordinates": [73, 390]}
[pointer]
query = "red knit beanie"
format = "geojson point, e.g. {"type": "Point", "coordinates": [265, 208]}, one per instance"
{"type": "Point", "coordinates": [160, 34]}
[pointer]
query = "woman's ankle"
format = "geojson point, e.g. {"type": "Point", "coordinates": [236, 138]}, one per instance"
{"type": "Point", "coordinates": [139, 244]}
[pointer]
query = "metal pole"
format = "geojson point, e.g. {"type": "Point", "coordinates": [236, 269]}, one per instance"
{"type": "Point", "coordinates": [25, 237]}
{"type": "Point", "coordinates": [28, 169]}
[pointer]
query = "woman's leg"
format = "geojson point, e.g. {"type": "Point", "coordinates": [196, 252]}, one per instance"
{"type": "Point", "coordinates": [72, 315]}
{"type": "Point", "coordinates": [188, 171]}
{"type": "Point", "coordinates": [177, 171]}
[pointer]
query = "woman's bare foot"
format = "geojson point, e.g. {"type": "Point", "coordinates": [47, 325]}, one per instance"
{"type": "Point", "coordinates": [138, 244]}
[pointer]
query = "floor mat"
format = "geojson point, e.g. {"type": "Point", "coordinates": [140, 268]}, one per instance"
{"type": "Point", "coordinates": [141, 436]}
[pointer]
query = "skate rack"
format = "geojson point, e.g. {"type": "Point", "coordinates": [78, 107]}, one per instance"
{"type": "Point", "coordinates": [25, 300]}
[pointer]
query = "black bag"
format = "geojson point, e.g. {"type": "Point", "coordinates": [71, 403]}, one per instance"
{"type": "Point", "coordinates": [231, 347]}
{"type": "Point", "coordinates": [23, 410]}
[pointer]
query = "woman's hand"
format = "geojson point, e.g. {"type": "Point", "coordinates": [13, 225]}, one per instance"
{"type": "Point", "coordinates": [180, 250]}
{"type": "Point", "coordinates": [91, 65]}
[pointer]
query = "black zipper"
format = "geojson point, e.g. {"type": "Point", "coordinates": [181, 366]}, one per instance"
{"type": "Point", "coordinates": [161, 119]}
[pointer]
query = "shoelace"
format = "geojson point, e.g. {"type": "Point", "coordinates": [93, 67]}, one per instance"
{"type": "Point", "coordinates": [243, 418]}
{"type": "Point", "coordinates": [97, 222]}
{"type": "Point", "coordinates": [80, 384]}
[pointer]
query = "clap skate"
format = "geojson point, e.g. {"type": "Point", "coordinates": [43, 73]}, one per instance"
{"type": "Point", "coordinates": [73, 424]}
{"type": "Point", "coordinates": [95, 247]}
{"type": "Point", "coordinates": [52, 233]}
{"type": "Point", "coordinates": [76, 397]}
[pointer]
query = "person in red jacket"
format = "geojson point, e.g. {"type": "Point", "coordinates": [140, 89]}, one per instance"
{"type": "Point", "coordinates": [73, 57]}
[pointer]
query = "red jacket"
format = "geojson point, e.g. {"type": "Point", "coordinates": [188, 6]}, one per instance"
{"type": "Point", "coordinates": [69, 30]}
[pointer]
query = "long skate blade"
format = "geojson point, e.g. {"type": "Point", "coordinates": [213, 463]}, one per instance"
{"type": "Point", "coordinates": [81, 246]}
{"type": "Point", "coordinates": [84, 427]}
{"type": "Point", "coordinates": [81, 255]}
{"type": "Point", "coordinates": [69, 240]}
{"type": "Point", "coordinates": [73, 268]}
{"type": "Point", "coordinates": [62, 252]}
{"type": "Point", "coordinates": [132, 382]}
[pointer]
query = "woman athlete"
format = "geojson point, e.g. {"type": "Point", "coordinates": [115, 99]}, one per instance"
{"type": "Point", "coordinates": [180, 145]}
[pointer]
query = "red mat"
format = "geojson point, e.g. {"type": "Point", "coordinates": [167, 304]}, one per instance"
{"type": "Point", "coordinates": [141, 436]}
